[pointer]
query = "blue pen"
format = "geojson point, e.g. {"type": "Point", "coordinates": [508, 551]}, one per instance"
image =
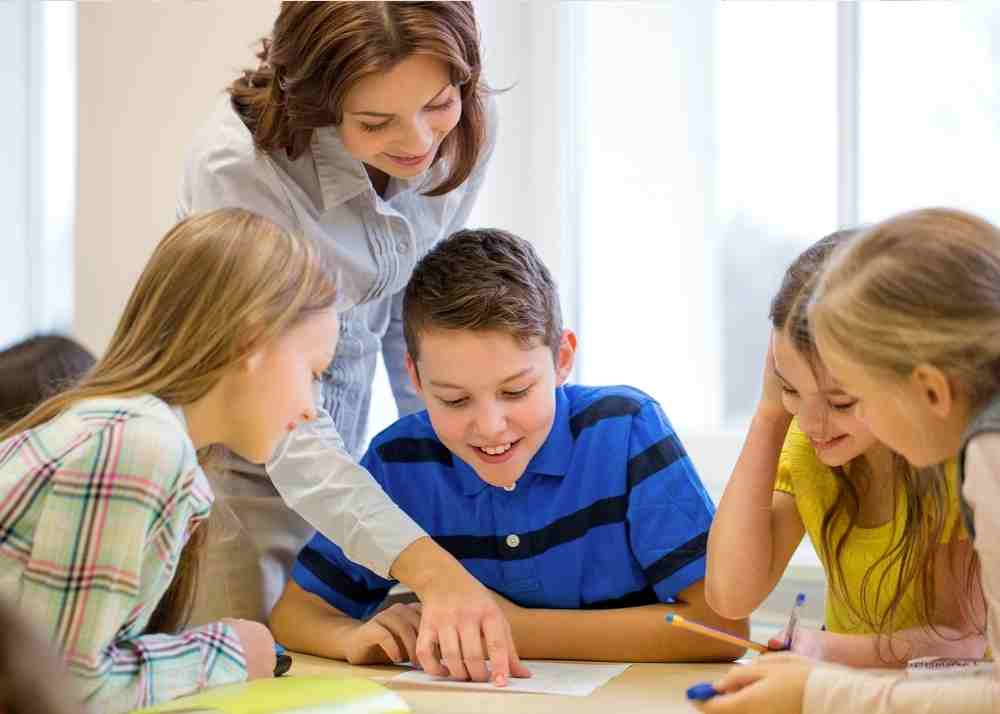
{"type": "Point", "coordinates": [793, 620]}
{"type": "Point", "coordinates": [702, 692]}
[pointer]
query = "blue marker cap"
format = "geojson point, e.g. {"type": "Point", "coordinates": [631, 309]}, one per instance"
{"type": "Point", "coordinates": [800, 598]}
{"type": "Point", "coordinates": [701, 692]}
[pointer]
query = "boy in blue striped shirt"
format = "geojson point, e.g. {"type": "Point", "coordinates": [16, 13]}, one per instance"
{"type": "Point", "coordinates": [577, 505]}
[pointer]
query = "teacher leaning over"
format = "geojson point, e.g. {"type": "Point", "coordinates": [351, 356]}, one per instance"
{"type": "Point", "coordinates": [367, 129]}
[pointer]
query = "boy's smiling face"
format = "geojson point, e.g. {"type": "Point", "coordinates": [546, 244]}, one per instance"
{"type": "Point", "coordinates": [491, 399]}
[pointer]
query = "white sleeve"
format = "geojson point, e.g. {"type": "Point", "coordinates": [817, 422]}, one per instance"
{"type": "Point", "coordinates": [319, 480]}
{"type": "Point", "coordinates": [836, 690]}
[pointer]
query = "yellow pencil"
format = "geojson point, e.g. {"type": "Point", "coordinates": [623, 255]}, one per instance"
{"type": "Point", "coordinates": [679, 621]}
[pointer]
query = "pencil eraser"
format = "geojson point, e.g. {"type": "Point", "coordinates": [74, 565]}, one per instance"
{"type": "Point", "coordinates": [701, 692]}
{"type": "Point", "coordinates": [670, 618]}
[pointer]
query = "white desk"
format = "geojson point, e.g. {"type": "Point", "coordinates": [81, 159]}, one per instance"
{"type": "Point", "coordinates": [641, 689]}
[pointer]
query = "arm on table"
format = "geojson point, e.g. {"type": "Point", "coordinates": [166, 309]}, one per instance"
{"type": "Point", "coordinates": [306, 623]}
{"type": "Point", "coordinates": [756, 529]}
{"type": "Point", "coordinates": [634, 634]}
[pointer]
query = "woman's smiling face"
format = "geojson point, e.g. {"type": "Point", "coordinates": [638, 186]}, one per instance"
{"type": "Point", "coordinates": [396, 121]}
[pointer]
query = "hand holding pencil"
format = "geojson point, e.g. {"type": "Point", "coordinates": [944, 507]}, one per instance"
{"type": "Point", "coordinates": [784, 644]}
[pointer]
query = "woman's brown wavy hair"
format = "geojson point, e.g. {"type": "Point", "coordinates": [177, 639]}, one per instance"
{"type": "Point", "coordinates": [925, 491]}
{"type": "Point", "coordinates": [318, 51]}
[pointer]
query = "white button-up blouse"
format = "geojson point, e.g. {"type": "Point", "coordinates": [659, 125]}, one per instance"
{"type": "Point", "coordinates": [373, 242]}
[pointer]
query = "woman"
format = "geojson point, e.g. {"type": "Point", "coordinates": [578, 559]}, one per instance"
{"type": "Point", "coordinates": [367, 129]}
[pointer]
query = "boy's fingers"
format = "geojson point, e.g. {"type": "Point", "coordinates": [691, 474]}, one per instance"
{"type": "Point", "coordinates": [391, 647]}
{"type": "Point", "coordinates": [404, 631]}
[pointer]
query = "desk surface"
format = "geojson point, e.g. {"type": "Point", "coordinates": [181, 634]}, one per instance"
{"type": "Point", "coordinates": [641, 689]}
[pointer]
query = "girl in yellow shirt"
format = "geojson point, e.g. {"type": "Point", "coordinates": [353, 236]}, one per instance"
{"type": "Point", "coordinates": [901, 572]}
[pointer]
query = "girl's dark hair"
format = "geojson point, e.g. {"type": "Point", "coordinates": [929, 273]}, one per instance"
{"type": "Point", "coordinates": [925, 490]}
{"type": "Point", "coordinates": [33, 370]}
{"type": "Point", "coordinates": [318, 51]}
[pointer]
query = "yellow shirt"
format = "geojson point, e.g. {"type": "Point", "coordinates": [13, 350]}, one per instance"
{"type": "Point", "coordinates": [815, 488]}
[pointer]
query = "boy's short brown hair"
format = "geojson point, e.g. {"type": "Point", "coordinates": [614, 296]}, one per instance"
{"type": "Point", "coordinates": [483, 279]}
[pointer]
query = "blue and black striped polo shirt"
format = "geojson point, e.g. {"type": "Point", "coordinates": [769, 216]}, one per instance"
{"type": "Point", "coordinates": [609, 513]}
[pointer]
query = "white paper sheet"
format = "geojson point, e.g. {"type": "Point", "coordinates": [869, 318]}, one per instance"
{"type": "Point", "coordinates": [574, 679]}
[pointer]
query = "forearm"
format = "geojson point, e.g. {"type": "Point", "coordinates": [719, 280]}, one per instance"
{"type": "Point", "coordinates": [151, 669]}
{"type": "Point", "coordinates": [302, 622]}
{"type": "Point", "coordinates": [831, 690]}
{"type": "Point", "coordinates": [896, 649]}
{"type": "Point", "coordinates": [318, 480]}
{"type": "Point", "coordinates": [424, 566]}
{"type": "Point", "coordinates": [637, 634]}
{"type": "Point", "coordinates": [741, 568]}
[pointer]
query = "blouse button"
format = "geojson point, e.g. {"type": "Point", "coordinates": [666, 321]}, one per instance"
{"type": "Point", "coordinates": [401, 246]}
{"type": "Point", "coordinates": [513, 541]}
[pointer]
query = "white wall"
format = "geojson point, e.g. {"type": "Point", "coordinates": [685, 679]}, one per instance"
{"type": "Point", "coordinates": [149, 73]}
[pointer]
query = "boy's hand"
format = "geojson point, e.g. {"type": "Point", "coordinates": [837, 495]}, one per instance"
{"type": "Point", "coordinates": [389, 636]}
{"type": "Point", "coordinates": [771, 404]}
{"type": "Point", "coordinates": [772, 683]}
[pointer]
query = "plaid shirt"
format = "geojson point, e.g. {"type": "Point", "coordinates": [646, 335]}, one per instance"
{"type": "Point", "coordinates": [95, 507]}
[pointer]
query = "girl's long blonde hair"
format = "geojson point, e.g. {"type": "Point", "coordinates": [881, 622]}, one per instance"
{"type": "Point", "coordinates": [924, 491]}
{"type": "Point", "coordinates": [919, 288]}
{"type": "Point", "coordinates": [218, 287]}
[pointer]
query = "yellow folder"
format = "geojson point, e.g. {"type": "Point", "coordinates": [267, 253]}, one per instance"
{"type": "Point", "coordinates": [290, 695]}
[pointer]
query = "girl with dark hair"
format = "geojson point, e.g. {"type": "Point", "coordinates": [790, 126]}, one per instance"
{"type": "Point", "coordinates": [35, 369]}
{"type": "Point", "coordinates": [901, 572]}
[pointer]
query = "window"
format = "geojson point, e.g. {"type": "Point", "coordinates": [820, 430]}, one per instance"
{"type": "Point", "coordinates": [671, 159]}
{"type": "Point", "coordinates": [722, 139]}
{"type": "Point", "coordinates": [38, 174]}
{"type": "Point", "coordinates": [718, 140]}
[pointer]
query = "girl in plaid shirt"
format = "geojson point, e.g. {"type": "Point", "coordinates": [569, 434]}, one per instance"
{"type": "Point", "coordinates": [101, 488]}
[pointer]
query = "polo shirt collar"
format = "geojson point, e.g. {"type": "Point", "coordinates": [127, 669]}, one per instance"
{"type": "Point", "coordinates": [552, 459]}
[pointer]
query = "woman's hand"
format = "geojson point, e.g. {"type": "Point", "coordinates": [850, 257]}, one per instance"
{"type": "Point", "coordinates": [465, 623]}
{"type": "Point", "coordinates": [258, 647]}
{"type": "Point", "coordinates": [462, 626]}
{"type": "Point", "coordinates": [774, 683]}
{"type": "Point", "coordinates": [389, 636]}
